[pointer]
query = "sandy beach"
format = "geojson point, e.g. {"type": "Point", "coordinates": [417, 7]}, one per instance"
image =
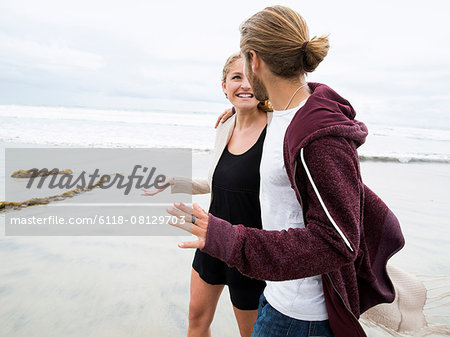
{"type": "Point", "coordinates": [133, 76]}
{"type": "Point", "coordinates": [139, 286]}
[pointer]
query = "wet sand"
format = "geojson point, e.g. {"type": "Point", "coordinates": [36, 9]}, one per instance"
{"type": "Point", "coordinates": [139, 286]}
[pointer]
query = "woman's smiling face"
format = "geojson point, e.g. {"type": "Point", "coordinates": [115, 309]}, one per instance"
{"type": "Point", "coordinates": [237, 88]}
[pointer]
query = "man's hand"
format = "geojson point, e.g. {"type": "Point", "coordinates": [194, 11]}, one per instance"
{"type": "Point", "coordinates": [223, 117]}
{"type": "Point", "coordinates": [193, 220]}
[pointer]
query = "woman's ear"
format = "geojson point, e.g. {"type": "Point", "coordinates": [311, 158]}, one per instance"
{"type": "Point", "coordinates": [224, 89]}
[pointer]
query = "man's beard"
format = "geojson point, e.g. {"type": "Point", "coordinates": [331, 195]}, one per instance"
{"type": "Point", "coordinates": [259, 89]}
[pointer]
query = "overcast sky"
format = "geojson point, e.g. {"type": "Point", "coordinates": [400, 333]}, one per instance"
{"type": "Point", "coordinates": [386, 56]}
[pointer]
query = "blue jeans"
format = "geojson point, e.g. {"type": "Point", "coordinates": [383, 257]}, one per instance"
{"type": "Point", "coordinates": [271, 323]}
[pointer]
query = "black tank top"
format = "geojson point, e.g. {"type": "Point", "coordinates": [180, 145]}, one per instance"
{"type": "Point", "coordinates": [235, 186]}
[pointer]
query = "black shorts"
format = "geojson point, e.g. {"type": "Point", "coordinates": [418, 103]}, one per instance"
{"type": "Point", "coordinates": [244, 291]}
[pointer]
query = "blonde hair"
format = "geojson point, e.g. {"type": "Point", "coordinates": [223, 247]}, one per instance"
{"type": "Point", "coordinates": [265, 106]}
{"type": "Point", "coordinates": [226, 68]}
{"type": "Point", "coordinates": [280, 36]}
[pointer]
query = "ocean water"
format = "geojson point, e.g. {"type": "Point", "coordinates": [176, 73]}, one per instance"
{"type": "Point", "coordinates": [139, 286]}
{"type": "Point", "coordinates": [158, 128]}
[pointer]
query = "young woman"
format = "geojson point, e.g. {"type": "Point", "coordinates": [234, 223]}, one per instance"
{"type": "Point", "coordinates": [234, 185]}
{"type": "Point", "coordinates": [326, 237]}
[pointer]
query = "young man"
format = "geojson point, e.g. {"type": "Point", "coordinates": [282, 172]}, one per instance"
{"type": "Point", "coordinates": [326, 237]}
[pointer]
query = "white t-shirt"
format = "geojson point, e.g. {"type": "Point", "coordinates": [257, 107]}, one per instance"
{"type": "Point", "coordinates": [302, 298]}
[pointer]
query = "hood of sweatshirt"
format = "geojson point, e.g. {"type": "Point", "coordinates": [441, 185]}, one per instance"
{"type": "Point", "coordinates": [325, 113]}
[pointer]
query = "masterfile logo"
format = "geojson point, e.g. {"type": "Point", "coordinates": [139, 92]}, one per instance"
{"type": "Point", "coordinates": [91, 191]}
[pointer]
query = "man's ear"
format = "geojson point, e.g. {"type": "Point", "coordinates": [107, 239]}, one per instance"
{"type": "Point", "coordinates": [255, 61]}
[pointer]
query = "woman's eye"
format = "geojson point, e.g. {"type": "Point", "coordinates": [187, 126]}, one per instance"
{"type": "Point", "coordinates": [237, 77]}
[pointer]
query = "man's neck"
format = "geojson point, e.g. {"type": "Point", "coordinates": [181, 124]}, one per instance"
{"type": "Point", "coordinates": [281, 93]}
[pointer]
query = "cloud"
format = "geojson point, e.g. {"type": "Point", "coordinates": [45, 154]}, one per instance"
{"type": "Point", "coordinates": [386, 55]}
{"type": "Point", "coordinates": [55, 56]}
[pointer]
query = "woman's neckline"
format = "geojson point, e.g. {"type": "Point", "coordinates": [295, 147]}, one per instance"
{"type": "Point", "coordinates": [251, 147]}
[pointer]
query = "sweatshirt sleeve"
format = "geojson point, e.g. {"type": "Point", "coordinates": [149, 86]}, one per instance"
{"type": "Point", "coordinates": [190, 186]}
{"type": "Point", "coordinates": [301, 252]}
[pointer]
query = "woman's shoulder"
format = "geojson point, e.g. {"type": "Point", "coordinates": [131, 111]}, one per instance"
{"type": "Point", "coordinates": [227, 125]}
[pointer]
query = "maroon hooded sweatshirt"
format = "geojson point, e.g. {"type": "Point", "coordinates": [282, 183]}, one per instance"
{"type": "Point", "coordinates": [350, 233]}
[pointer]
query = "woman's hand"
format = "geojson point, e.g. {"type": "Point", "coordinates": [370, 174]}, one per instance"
{"type": "Point", "coordinates": [224, 116]}
{"type": "Point", "coordinates": [193, 220]}
{"type": "Point", "coordinates": [154, 191]}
